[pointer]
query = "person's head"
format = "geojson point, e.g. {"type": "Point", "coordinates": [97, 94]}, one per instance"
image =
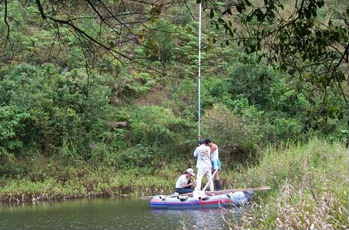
{"type": "Point", "coordinates": [201, 142]}
{"type": "Point", "coordinates": [190, 172]}
{"type": "Point", "coordinates": [208, 142]}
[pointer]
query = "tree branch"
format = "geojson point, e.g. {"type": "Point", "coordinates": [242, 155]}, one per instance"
{"type": "Point", "coordinates": [77, 29]}
{"type": "Point", "coordinates": [101, 17]}
{"type": "Point", "coordinates": [6, 22]}
{"type": "Point", "coordinates": [343, 56]}
{"type": "Point", "coordinates": [191, 14]}
{"type": "Point", "coordinates": [116, 54]}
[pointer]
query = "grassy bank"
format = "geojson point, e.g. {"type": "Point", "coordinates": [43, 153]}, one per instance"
{"type": "Point", "coordinates": [309, 186]}
{"type": "Point", "coordinates": [82, 182]}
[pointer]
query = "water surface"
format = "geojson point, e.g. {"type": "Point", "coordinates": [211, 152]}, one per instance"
{"type": "Point", "coordinates": [110, 214]}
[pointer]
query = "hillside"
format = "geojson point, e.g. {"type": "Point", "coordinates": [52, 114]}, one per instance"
{"type": "Point", "coordinates": [131, 101]}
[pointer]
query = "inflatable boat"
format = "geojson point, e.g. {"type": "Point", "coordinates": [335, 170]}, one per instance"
{"type": "Point", "coordinates": [216, 201]}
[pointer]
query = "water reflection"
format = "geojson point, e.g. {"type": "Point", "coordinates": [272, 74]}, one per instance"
{"type": "Point", "coordinates": [201, 218]}
{"type": "Point", "coordinates": [110, 214]}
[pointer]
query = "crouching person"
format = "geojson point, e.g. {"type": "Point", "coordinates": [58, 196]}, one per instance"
{"type": "Point", "coordinates": [183, 184]}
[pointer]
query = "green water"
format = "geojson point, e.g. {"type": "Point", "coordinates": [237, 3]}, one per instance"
{"type": "Point", "coordinates": [109, 214]}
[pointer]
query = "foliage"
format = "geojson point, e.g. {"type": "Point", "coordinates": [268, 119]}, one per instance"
{"type": "Point", "coordinates": [288, 109]}
{"type": "Point", "coordinates": [160, 128]}
{"type": "Point", "coordinates": [236, 137]}
{"type": "Point", "coordinates": [159, 42]}
{"type": "Point", "coordinates": [184, 97]}
{"type": "Point", "coordinates": [292, 36]}
{"type": "Point", "coordinates": [46, 109]}
{"type": "Point", "coordinates": [12, 123]}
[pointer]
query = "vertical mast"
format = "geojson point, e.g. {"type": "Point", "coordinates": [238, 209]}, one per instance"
{"type": "Point", "coordinates": [199, 71]}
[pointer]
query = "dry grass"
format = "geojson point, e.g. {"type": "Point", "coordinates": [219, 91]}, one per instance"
{"type": "Point", "coordinates": [310, 189]}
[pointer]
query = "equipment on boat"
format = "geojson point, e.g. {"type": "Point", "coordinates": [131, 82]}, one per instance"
{"type": "Point", "coordinates": [174, 201]}
{"type": "Point", "coordinates": [201, 193]}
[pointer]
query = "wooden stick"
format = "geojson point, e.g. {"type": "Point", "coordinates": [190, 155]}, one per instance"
{"type": "Point", "coordinates": [208, 182]}
{"type": "Point", "coordinates": [146, 197]}
{"type": "Point", "coordinates": [234, 190]}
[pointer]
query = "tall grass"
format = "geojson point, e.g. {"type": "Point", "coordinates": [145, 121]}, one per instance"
{"type": "Point", "coordinates": [309, 188]}
{"type": "Point", "coordinates": [87, 181]}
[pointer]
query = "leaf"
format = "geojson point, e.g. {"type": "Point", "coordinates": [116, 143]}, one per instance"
{"type": "Point", "coordinates": [141, 37]}
{"type": "Point", "coordinates": [111, 44]}
{"type": "Point", "coordinates": [227, 11]}
{"type": "Point", "coordinates": [240, 7]}
{"type": "Point", "coordinates": [259, 14]}
{"type": "Point", "coordinates": [320, 3]}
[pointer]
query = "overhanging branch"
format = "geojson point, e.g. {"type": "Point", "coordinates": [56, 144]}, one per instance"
{"type": "Point", "coordinates": [6, 22]}
{"type": "Point", "coordinates": [116, 54]}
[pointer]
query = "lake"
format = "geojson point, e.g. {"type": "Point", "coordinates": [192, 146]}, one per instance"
{"type": "Point", "coordinates": [110, 214]}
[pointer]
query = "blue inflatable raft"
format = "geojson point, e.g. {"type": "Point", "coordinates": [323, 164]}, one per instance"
{"type": "Point", "coordinates": [216, 201]}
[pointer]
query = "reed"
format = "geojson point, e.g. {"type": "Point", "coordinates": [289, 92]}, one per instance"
{"type": "Point", "coordinates": [309, 188]}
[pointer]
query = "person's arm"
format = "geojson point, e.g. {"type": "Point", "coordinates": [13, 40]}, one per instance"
{"type": "Point", "coordinates": [213, 148]}
{"type": "Point", "coordinates": [184, 185]}
{"type": "Point", "coordinates": [195, 152]}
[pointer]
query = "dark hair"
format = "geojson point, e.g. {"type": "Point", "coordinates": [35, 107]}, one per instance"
{"type": "Point", "coordinates": [207, 141]}
{"type": "Point", "coordinates": [201, 142]}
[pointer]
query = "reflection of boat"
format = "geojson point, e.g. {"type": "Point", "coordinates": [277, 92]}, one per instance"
{"type": "Point", "coordinates": [206, 218]}
{"type": "Point", "coordinates": [215, 201]}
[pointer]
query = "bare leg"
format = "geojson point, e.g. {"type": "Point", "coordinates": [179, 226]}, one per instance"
{"type": "Point", "coordinates": [216, 177]}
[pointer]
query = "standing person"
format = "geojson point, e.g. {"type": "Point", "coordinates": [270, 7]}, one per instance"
{"type": "Point", "coordinates": [183, 184]}
{"type": "Point", "coordinates": [216, 163]}
{"type": "Point", "coordinates": [203, 163]}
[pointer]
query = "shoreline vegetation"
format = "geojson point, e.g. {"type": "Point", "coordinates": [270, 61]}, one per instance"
{"type": "Point", "coordinates": [309, 186]}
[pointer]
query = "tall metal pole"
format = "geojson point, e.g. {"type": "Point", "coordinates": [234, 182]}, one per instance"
{"type": "Point", "coordinates": [347, 59]}
{"type": "Point", "coordinates": [199, 72]}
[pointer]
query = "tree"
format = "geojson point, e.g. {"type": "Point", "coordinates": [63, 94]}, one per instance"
{"type": "Point", "coordinates": [291, 34]}
{"type": "Point", "coordinates": [297, 39]}
{"type": "Point", "coordinates": [106, 24]}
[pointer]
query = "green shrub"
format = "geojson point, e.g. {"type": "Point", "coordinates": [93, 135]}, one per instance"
{"type": "Point", "coordinates": [47, 110]}
{"type": "Point", "coordinates": [236, 137]}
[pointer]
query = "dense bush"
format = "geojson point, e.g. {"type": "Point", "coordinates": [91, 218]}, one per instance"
{"type": "Point", "coordinates": [285, 108]}
{"type": "Point", "coordinates": [237, 138]}
{"type": "Point", "coordinates": [46, 110]}
{"type": "Point", "coordinates": [160, 128]}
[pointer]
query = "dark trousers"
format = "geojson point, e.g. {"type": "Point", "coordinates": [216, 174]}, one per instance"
{"type": "Point", "coordinates": [184, 190]}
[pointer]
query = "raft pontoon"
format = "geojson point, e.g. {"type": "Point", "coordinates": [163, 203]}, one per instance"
{"type": "Point", "coordinates": [216, 201]}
